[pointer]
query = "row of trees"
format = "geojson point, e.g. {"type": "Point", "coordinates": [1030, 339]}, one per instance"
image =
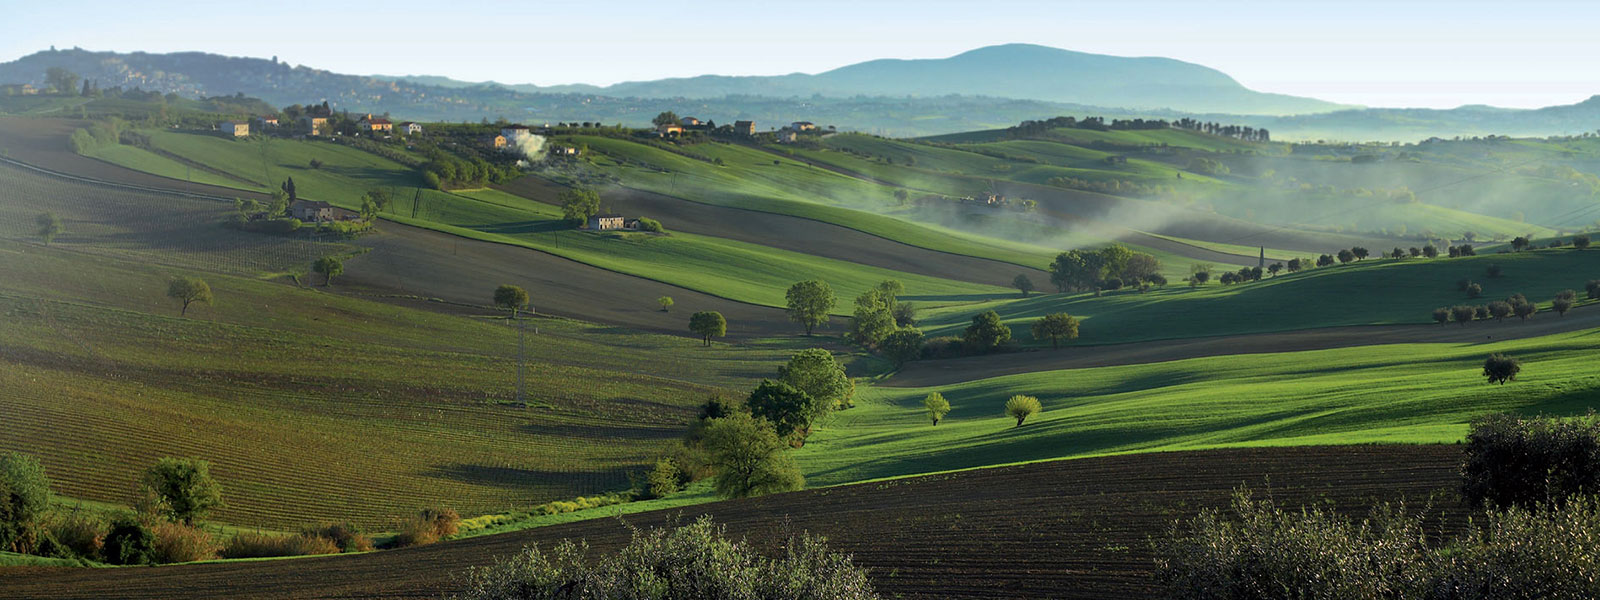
{"type": "Point", "coordinates": [1035, 128]}
{"type": "Point", "coordinates": [1516, 304]}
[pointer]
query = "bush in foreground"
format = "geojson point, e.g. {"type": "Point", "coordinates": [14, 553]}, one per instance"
{"type": "Point", "coordinates": [24, 496]}
{"type": "Point", "coordinates": [694, 561]}
{"type": "Point", "coordinates": [1515, 461]}
{"type": "Point", "coordinates": [1260, 551]}
{"type": "Point", "coordinates": [129, 543]}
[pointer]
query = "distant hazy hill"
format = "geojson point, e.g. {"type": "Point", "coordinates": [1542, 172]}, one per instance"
{"type": "Point", "coordinates": [1019, 71]}
{"type": "Point", "coordinates": [986, 88]}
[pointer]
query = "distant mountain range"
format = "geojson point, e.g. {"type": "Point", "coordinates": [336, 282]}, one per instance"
{"type": "Point", "coordinates": [1018, 71]}
{"type": "Point", "coordinates": [990, 87]}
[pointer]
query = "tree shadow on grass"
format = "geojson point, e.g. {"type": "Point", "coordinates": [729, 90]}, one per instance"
{"type": "Point", "coordinates": [515, 227]}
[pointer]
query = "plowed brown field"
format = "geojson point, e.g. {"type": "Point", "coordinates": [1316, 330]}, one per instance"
{"type": "Point", "coordinates": [1064, 529]}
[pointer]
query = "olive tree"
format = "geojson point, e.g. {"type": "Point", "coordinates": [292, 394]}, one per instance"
{"type": "Point", "coordinates": [1462, 313]}
{"type": "Point", "coordinates": [1442, 315]}
{"type": "Point", "coordinates": [936, 406]}
{"type": "Point", "coordinates": [1021, 407]}
{"type": "Point", "coordinates": [511, 297]}
{"type": "Point", "coordinates": [1500, 368]}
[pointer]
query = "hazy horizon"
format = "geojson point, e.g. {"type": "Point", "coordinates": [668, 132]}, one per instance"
{"type": "Point", "coordinates": [1419, 54]}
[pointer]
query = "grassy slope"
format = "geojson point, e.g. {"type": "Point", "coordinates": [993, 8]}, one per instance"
{"type": "Point", "coordinates": [1422, 393]}
{"type": "Point", "coordinates": [1373, 291]}
{"type": "Point", "coordinates": [749, 179]}
{"type": "Point", "coordinates": [735, 270]}
{"type": "Point", "coordinates": [397, 408]}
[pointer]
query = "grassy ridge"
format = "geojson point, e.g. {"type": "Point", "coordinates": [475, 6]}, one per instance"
{"type": "Point", "coordinates": [1416, 393]}
{"type": "Point", "coordinates": [1373, 291]}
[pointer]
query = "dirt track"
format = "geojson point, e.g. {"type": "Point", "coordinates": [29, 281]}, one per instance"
{"type": "Point", "coordinates": [790, 233]}
{"type": "Point", "coordinates": [1064, 529]}
{"type": "Point", "coordinates": [945, 372]}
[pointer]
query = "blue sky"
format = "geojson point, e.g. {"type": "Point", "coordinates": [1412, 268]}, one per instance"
{"type": "Point", "coordinates": [1425, 53]}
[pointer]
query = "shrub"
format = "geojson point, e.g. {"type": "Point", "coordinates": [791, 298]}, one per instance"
{"type": "Point", "coordinates": [651, 225]}
{"type": "Point", "coordinates": [24, 496]}
{"type": "Point", "coordinates": [80, 533]}
{"type": "Point", "coordinates": [663, 479]}
{"type": "Point", "coordinates": [1021, 407]}
{"type": "Point", "coordinates": [182, 488]}
{"type": "Point", "coordinates": [260, 545]}
{"type": "Point", "coordinates": [345, 535]}
{"type": "Point", "coordinates": [1262, 552]}
{"type": "Point", "coordinates": [1514, 461]}
{"type": "Point", "coordinates": [1548, 553]}
{"type": "Point", "coordinates": [128, 543]}
{"type": "Point", "coordinates": [1494, 271]}
{"type": "Point", "coordinates": [445, 520]}
{"type": "Point", "coordinates": [1474, 290]}
{"type": "Point", "coordinates": [692, 561]}
{"type": "Point", "coordinates": [943, 347]}
{"type": "Point", "coordinates": [427, 527]}
{"type": "Point", "coordinates": [179, 543]}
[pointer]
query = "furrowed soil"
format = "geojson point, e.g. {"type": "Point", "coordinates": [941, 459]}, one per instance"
{"type": "Point", "coordinates": [1064, 529]}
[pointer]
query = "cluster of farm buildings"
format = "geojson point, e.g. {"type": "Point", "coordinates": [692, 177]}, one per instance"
{"type": "Point", "coordinates": [312, 124]}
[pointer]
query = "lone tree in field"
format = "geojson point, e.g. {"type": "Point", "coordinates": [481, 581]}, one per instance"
{"type": "Point", "coordinates": [749, 457]}
{"type": "Point", "coordinates": [665, 302]}
{"type": "Point", "coordinates": [1055, 327]}
{"type": "Point", "coordinates": [1021, 407]}
{"type": "Point", "coordinates": [188, 290]}
{"type": "Point", "coordinates": [708, 324]}
{"type": "Point", "coordinates": [329, 267]}
{"type": "Point", "coordinates": [1474, 290]}
{"type": "Point", "coordinates": [49, 227]}
{"type": "Point", "coordinates": [24, 497]}
{"type": "Point", "coordinates": [936, 405]}
{"type": "Point", "coordinates": [1580, 242]}
{"type": "Point", "coordinates": [1500, 368]}
{"type": "Point", "coordinates": [578, 205]}
{"type": "Point", "coordinates": [809, 303]}
{"type": "Point", "coordinates": [181, 489]}
{"type": "Point", "coordinates": [511, 297]}
{"type": "Point", "coordinates": [1442, 315]}
{"type": "Point", "coordinates": [1023, 284]}
{"type": "Point", "coordinates": [986, 332]}
{"type": "Point", "coordinates": [1520, 243]}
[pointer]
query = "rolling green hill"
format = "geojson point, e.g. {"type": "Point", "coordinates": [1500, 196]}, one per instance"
{"type": "Point", "coordinates": [1372, 291]}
